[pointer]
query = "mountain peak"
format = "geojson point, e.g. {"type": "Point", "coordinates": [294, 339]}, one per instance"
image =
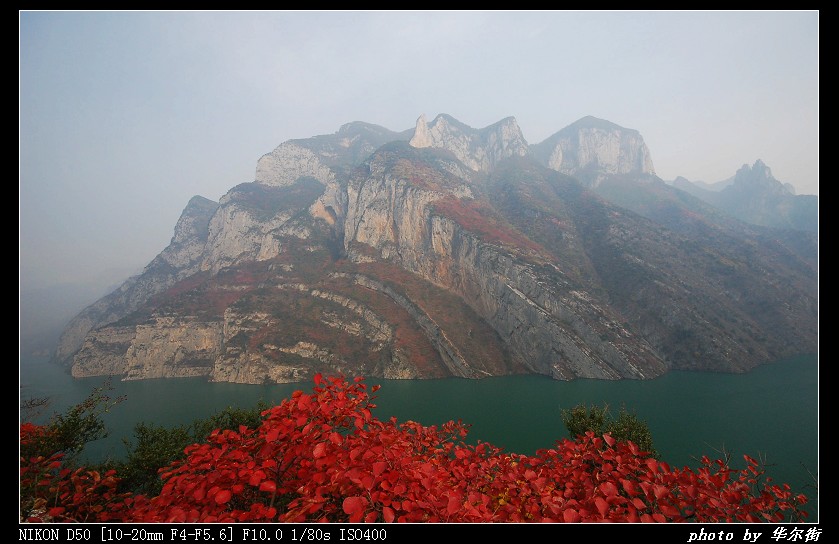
{"type": "Point", "coordinates": [758, 171]}
{"type": "Point", "coordinates": [759, 174]}
{"type": "Point", "coordinates": [199, 202]}
{"type": "Point", "coordinates": [755, 196]}
{"type": "Point", "coordinates": [421, 137]}
{"type": "Point", "coordinates": [479, 149]}
{"type": "Point", "coordinates": [591, 148]}
{"type": "Point", "coordinates": [589, 121]}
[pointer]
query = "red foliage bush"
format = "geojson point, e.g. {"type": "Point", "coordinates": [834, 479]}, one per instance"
{"type": "Point", "coordinates": [51, 492]}
{"type": "Point", "coordinates": [324, 457]}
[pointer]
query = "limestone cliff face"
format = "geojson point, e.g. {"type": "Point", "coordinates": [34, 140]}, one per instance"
{"type": "Point", "coordinates": [249, 343]}
{"type": "Point", "coordinates": [314, 157]}
{"type": "Point", "coordinates": [592, 148]}
{"type": "Point", "coordinates": [252, 219]}
{"type": "Point", "coordinates": [457, 254]}
{"type": "Point", "coordinates": [545, 324]}
{"type": "Point", "coordinates": [288, 162]}
{"type": "Point", "coordinates": [162, 348]}
{"type": "Point", "coordinates": [481, 149]}
{"type": "Point", "coordinates": [182, 258]}
{"type": "Point", "coordinates": [385, 208]}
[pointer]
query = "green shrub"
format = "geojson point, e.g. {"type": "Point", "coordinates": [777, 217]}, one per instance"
{"type": "Point", "coordinates": [580, 419]}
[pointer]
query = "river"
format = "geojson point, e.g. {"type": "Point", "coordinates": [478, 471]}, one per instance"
{"type": "Point", "coordinates": [771, 412]}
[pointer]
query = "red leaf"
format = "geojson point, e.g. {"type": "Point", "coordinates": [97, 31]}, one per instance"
{"type": "Point", "coordinates": [660, 491]}
{"type": "Point", "coordinates": [609, 440]}
{"type": "Point", "coordinates": [354, 507]}
{"type": "Point", "coordinates": [318, 378]}
{"type": "Point", "coordinates": [223, 496]}
{"type": "Point", "coordinates": [379, 467]}
{"type": "Point", "coordinates": [750, 460]}
{"type": "Point", "coordinates": [320, 450]}
{"type": "Point", "coordinates": [602, 505]}
{"type": "Point", "coordinates": [571, 516]}
{"type": "Point", "coordinates": [630, 487]}
{"type": "Point", "coordinates": [609, 489]}
{"type": "Point", "coordinates": [269, 486]}
{"type": "Point", "coordinates": [55, 512]}
{"type": "Point", "coordinates": [669, 510]}
{"type": "Point", "coordinates": [453, 506]}
{"type": "Point", "coordinates": [388, 514]}
{"type": "Point", "coordinates": [256, 478]}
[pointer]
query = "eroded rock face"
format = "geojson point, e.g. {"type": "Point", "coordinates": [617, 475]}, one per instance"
{"type": "Point", "coordinates": [235, 235]}
{"type": "Point", "coordinates": [289, 162]}
{"type": "Point", "coordinates": [545, 328]}
{"type": "Point", "coordinates": [481, 149]}
{"type": "Point", "coordinates": [455, 255]}
{"type": "Point", "coordinates": [592, 149]}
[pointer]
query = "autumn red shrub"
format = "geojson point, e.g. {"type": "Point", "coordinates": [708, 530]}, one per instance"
{"type": "Point", "coordinates": [52, 492]}
{"type": "Point", "coordinates": [324, 457]}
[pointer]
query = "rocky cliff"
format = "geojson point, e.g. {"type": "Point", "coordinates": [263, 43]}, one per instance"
{"type": "Point", "coordinates": [481, 149]}
{"type": "Point", "coordinates": [449, 251]}
{"type": "Point", "coordinates": [591, 149]}
{"type": "Point", "coordinates": [181, 258]}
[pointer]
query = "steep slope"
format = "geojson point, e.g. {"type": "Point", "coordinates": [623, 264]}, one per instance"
{"type": "Point", "coordinates": [704, 296]}
{"type": "Point", "coordinates": [439, 230]}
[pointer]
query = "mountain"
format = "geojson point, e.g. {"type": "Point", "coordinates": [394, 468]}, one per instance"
{"type": "Point", "coordinates": [753, 195]}
{"type": "Point", "coordinates": [181, 259]}
{"type": "Point", "coordinates": [480, 150]}
{"type": "Point", "coordinates": [452, 251]}
{"type": "Point", "coordinates": [592, 149]}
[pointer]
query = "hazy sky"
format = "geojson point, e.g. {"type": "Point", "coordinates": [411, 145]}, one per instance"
{"type": "Point", "coordinates": [125, 116]}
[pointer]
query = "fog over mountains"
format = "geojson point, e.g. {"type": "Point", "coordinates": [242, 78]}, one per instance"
{"type": "Point", "coordinates": [445, 250]}
{"type": "Point", "coordinates": [753, 195]}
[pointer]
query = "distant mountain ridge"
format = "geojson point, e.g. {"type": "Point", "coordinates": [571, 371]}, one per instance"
{"type": "Point", "coordinates": [452, 251]}
{"type": "Point", "coordinates": [753, 195]}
